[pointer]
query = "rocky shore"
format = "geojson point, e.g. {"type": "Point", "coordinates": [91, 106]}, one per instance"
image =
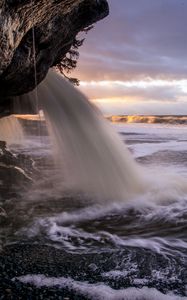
{"type": "Point", "coordinates": [26, 259]}
{"type": "Point", "coordinates": [42, 260]}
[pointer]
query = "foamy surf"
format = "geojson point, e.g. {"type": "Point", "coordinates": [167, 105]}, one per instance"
{"type": "Point", "coordinates": [97, 291]}
{"type": "Point", "coordinates": [93, 228]}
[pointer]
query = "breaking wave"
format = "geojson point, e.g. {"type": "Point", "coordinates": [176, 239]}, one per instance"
{"type": "Point", "coordinates": [177, 120]}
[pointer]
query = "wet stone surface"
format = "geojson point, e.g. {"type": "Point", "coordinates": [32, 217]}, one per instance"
{"type": "Point", "coordinates": [24, 259]}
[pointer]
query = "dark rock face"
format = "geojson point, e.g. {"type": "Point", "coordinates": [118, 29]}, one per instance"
{"type": "Point", "coordinates": [16, 171]}
{"type": "Point", "coordinates": [55, 23]}
{"type": "Point", "coordinates": [16, 175]}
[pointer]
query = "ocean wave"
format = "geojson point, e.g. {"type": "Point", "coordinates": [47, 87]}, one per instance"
{"type": "Point", "coordinates": [148, 119]}
{"type": "Point", "coordinates": [94, 228]}
{"type": "Point", "coordinates": [162, 208]}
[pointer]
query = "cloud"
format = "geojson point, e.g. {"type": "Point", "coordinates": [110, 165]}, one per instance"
{"type": "Point", "coordinates": [171, 91]}
{"type": "Point", "coordinates": [142, 107]}
{"type": "Point", "coordinates": [140, 39]}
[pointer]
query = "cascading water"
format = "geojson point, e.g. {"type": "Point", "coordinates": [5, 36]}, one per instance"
{"type": "Point", "coordinates": [94, 159]}
{"type": "Point", "coordinates": [11, 130]}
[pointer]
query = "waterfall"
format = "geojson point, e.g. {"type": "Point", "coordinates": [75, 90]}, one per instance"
{"type": "Point", "coordinates": [11, 130]}
{"type": "Point", "coordinates": [90, 153]}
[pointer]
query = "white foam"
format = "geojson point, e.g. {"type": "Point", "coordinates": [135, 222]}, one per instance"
{"type": "Point", "coordinates": [98, 291]}
{"type": "Point", "coordinates": [144, 149]}
{"type": "Point", "coordinates": [77, 239]}
{"type": "Point", "coordinates": [155, 130]}
{"type": "Point", "coordinates": [170, 137]}
{"type": "Point", "coordinates": [165, 202]}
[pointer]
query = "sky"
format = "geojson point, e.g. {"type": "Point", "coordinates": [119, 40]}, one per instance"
{"type": "Point", "coordinates": [135, 60]}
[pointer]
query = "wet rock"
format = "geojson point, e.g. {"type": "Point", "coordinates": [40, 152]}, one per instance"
{"type": "Point", "coordinates": [2, 212]}
{"type": "Point", "coordinates": [12, 175]}
{"type": "Point", "coordinates": [15, 171]}
{"type": "Point", "coordinates": [20, 160]}
{"type": "Point", "coordinates": [39, 259]}
{"type": "Point", "coordinates": [3, 217]}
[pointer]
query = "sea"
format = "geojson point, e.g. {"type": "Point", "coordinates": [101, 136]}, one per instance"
{"type": "Point", "coordinates": [120, 250]}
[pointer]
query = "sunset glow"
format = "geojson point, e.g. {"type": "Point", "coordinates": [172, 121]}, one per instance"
{"type": "Point", "coordinates": [144, 96]}
{"type": "Point", "coordinates": [132, 59]}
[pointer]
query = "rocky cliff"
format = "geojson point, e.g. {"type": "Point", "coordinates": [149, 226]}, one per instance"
{"type": "Point", "coordinates": [56, 24]}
